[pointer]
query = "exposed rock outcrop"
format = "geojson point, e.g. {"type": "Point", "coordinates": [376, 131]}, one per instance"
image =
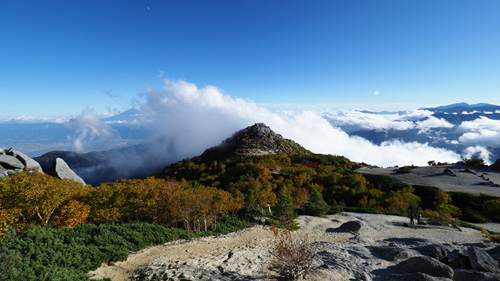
{"type": "Point", "coordinates": [392, 253]}
{"type": "Point", "coordinates": [418, 276]}
{"type": "Point", "coordinates": [459, 260]}
{"type": "Point", "coordinates": [470, 275]}
{"type": "Point", "coordinates": [382, 250]}
{"type": "Point", "coordinates": [351, 226]}
{"type": "Point", "coordinates": [12, 161]}
{"type": "Point", "coordinates": [260, 139]}
{"type": "Point", "coordinates": [61, 170]}
{"type": "Point", "coordinates": [436, 251]}
{"type": "Point", "coordinates": [496, 165]}
{"type": "Point", "coordinates": [425, 265]}
{"type": "Point", "coordinates": [480, 260]}
{"type": "Point", "coordinates": [448, 172]}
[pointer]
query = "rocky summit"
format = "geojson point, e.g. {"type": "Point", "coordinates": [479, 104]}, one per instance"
{"type": "Point", "coordinates": [259, 139]}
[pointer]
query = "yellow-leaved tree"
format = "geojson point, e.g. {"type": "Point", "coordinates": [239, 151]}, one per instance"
{"type": "Point", "coordinates": [40, 199]}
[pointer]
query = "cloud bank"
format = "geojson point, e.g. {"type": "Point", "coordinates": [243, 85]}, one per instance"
{"type": "Point", "coordinates": [481, 131]}
{"type": "Point", "coordinates": [189, 119]}
{"type": "Point", "coordinates": [422, 120]}
{"type": "Point", "coordinates": [90, 131]}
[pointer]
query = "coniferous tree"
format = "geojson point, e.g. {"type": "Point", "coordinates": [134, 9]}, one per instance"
{"type": "Point", "coordinates": [284, 212]}
{"type": "Point", "coordinates": [315, 205]}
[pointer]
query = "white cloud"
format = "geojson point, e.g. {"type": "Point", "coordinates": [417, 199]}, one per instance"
{"type": "Point", "coordinates": [191, 119]}
{"type": "Point", "coordinates": [90, 132]}
{"type": "Point", "coordinates": [415, 115]}
{"type": "Point", "coordinates": [481, 131]}
{"type": "Point", "coordinates": [31, 119]}
{"type": "Point", "coordinates": [369, 121]}
{"type": "Point", "coordinates": [484, 137]}
{"type": "Point", "coordinates": [481, 123]}
{"type": "Point", "coordinates": [477, 152]}
{"type": "Point", "coordinates": [431, 123]}
{"type": "Point", "coordinates": [470, 113]}
{"type": "Point", "coordinates": [415, 119]}
{"type": "Point", "coordinates": [376, 92]}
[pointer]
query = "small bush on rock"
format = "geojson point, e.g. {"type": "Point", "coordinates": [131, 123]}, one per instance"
{"type": "Point", "coordinates": [291, 257]}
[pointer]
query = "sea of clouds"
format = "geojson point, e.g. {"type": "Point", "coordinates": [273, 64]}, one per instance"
{"type": "Point", "coordinates": [188, 119]}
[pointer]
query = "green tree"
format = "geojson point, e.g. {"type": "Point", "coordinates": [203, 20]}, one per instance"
{"type": "Point", "coordinates": [283, 211]}
{"type": "Point", "coordinates": [315, 205]}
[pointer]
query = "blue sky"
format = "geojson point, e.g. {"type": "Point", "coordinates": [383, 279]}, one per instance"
{"type": "Point", "coordinates": [58, 58]}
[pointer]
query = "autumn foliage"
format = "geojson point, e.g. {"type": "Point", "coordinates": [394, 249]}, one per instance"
{"type": "Point", "coordinates": [32, 198]}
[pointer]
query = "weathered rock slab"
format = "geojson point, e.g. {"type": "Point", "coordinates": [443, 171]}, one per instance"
{"type": "Point", "coordinates": [473, 275]}
{"type": "Point", "coordinates": [425, 265]}
{"type": "Point", "coordinates": [61, 170]}
{"type": "Point", "coordinates": [27, 161]}
{"type": "Point", "coordinates": [418, 276]}
{"type": "Point", "coordinates": [10, 162]}
{"type": "Point", "coordinates": [459, 260]}
{"type": "Point", "coordinates": [3, 172]}
{"type": "Point", "coordinates": [392, 253]}
{"type": "Point", "coordinates": [480, 260]}
{"type": "Point", "coordinates": [436, 251]}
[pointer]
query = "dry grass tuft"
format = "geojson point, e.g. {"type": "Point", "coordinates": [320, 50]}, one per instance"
{"type": "Point", "coordinates": [291, 257]}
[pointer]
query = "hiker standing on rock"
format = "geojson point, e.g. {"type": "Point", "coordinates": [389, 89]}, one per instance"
{"type": "Point", "coordinates": [412, 218]}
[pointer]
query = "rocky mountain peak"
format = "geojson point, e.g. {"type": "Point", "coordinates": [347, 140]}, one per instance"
{"type": "Point", "coordinates": [259, 139]}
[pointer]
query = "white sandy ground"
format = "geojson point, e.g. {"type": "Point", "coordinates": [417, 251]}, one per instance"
{"type": "Point", "coordinates": [246, 252]}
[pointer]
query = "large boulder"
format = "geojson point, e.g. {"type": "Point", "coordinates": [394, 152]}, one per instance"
{"type": "Point", "coordinates": [391, 253]}
{"type": "Point", "coordinates": [459, 260]}
{"type": "Point", "coordinates": [436, 251]}
{"type": "Point", "coordinates": [3, 172]}
{"type": "Point", "coordinates": [10, 162]}
{"type": "Point", "coordinates": [61, 170]}
{"type": "Point", "coordinates": [494, 253]}
{"type": "Point", "coordinates": [472, 275]}
{"type": "Point", "coordinates": [496, 165]}
{"type": "Point", "coordinates": [27, 161]}
{"type": "Point", "coordinates": [350, 226]}
{"type": "Point", "coordinates": [425, 265]}
{"type": "Point", "coordinates": [480, 260]}
{"type": "Point", "coordinates": [417, 276]}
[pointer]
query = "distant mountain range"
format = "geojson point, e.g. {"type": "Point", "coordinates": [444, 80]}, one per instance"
{"type": "Point", "coordinates": [464, 107]}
